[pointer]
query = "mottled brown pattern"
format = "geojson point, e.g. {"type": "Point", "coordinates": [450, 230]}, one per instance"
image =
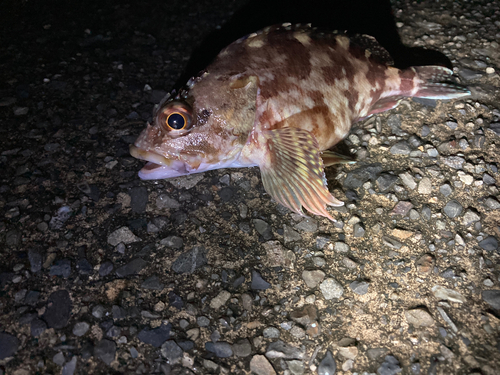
{"type": "Point", "coordinates": [407, 84]}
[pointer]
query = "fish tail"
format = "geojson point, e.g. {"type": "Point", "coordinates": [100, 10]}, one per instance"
{"type": "Point", "coordinates": [436, 82]}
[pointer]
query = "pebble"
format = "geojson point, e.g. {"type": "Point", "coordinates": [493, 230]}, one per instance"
{"type": "Point", "coordinates": [37, 327]}
{"type": "Point", "coordinates": [341, 247]}
{"type": "Point", "coordinates": [390, 366]}
{"type": "Point", "coordinates": [401, 208]}
{"type": "Point", "coordinates": [327, 366]}
{"type": "Point", "coordinates": [359, 230]}
{"type": "Point", "coordinates": [452, 209]}
{"type": "Point", "coordinates": [59, 359]}
{"type": "Point", "coordinates": [307, 225]}
{"type": "Point", "coordinates": [105, 350]}
{"type": "Point", "coordinates": [242, 348]}
{"type": "Point", "coordinates": [425, 186]}
{"type": "Point", "coordinates": [69, 367]}
{"type": "Point", "coordinates": [271, 333]}
{"type": "Point", "coordinates": [419, 318]}
{"type": "Point", "coordinates": [305, 316]}
{"type": "Point", "coordinates": [490, 203]}
{"type": "Point", "coordinates": [359, 287]}
{"type": "Point", "coordinates": [62, 268]}
{"type": "Point", "coordinates": [330, 289]}
{"type": "Point", "coordinates": [279, 349]}
{"type": "Point", "coordinates": [58, 311]}
{"type": "Point", "coordinates": [105, 268]}
{"type": "Point", "coordinates": [263, 228]}
{"type": "Point", "coordinates": [138, 199]}
{"type": "Point", "coordinates": [290, 235]}
{"type": "Point", "coordinates": [174, 242]}
{"type": "Point", "coordinates": [296, 367]}
{"type": "Point", "coordinates": [408, 180]}
{"type": "Point", "coordinates": [171, 351]}
{"type": "Point", "coordinates": [492, 297]}
{"type": "Point", "coordinates": [258, 283]}
{"type": "Point", "coordinates": [400, 148]}
{"type": "Point", "coordinates": [164, 201]}
{"type": "Point", "coordinates": [190, 261]}
{"type": "Point", "coordinates": [490, 243]}
{"type": "Point", "coordinates": [220, 300]}
{"type": "Point", "coordinates": [455, 162]}
{"type": "Point", "coordinates": [356, 178]}
{"type": "Point", "coordinates": [386, 182]}
{"type": "Point", "coordinates": [445, 190]}
{"type": "Point", "coordinates": [35, 259]}
{"type": "Point", "coordinates": [122, 235]}
{"type": "Point", "coordinates": [63, 214]}
{"type": "Point", "coordinates": [221, 349]}
{"type": "Point", "coordinates": [152, 283]}
{"type": "Point", "coordinates": [155, 336]}
{"type": "Point", "coordinates": [313, 278]}
{"type": "Point", "coordinates": [8, 345]}
{"type": "Point", "coordinates": [131, 268]}
{"type": "Point", "coordinates": [80, 328]}
{"type": "Point", "coordinates": [470, 217]}
{"type": "Point", "coordinates": [259, 365]}
{"type": "Point", "coordinates": [447, 294]}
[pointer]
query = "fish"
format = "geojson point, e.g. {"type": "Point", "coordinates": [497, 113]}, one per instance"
{"type": "Point", "coordinates": [280, 99]}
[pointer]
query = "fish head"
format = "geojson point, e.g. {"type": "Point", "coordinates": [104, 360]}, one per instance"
{"type": "Point", "coordinates": [202, 128]}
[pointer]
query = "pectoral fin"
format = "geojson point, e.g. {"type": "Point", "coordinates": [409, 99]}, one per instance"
{"type": "Point", "coordinates": [293, 172]}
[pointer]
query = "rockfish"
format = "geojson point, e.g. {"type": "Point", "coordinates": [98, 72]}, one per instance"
{"type": "Point", "coordinates": [279, 99]}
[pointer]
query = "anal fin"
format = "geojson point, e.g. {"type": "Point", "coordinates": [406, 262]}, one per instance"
{"type": "Point", "coordinates": [332, 158]}
{"type": "Point", "coordinates": [293, 173]}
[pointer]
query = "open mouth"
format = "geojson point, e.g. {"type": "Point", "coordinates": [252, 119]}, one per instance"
{"type": "Point", "coordinates": [157, 166]}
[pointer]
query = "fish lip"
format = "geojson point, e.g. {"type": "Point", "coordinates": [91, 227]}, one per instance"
{"type": "Point", "coordinates": [158, 166]}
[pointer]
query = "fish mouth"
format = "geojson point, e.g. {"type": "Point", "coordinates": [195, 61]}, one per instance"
{"type": "Point", "coordinates": [159, 167]}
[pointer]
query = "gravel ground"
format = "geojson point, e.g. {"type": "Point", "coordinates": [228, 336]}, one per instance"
{"type": "Point", "coordinates": [102, 273]}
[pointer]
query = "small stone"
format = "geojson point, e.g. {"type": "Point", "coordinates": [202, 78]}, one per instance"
{"type": "Point", "coordinates": [164, 201]}
{"type": "Point", "coordinates": [307, 225]}
{"type": "Point", "coordinates": [305, 316]}
{"type": "Point", "coordinates": [455, 162]}
{"type": "Point", "coordinates": [242, 348]}
{"type": "Point", "coordinates": [263, 228]}
{"type": "Point", "coordinates": [190, 261]}
{"type": "Point", "coordinates": [80, 328]}
{"type": "Point", "coordinates": [419, 318]}
{"type": "Point", "coordinates": [171, 351]}
{"type": "Point", "coordinates": [358, 230]}
{"type": "Point", "coordinates": [138, 199]}
{"type": "Point", "coordinates": [400, 148]}
{"type": "Point", "coordinates": [296, 367]}
{"type": "Point", "coordinates": [390, 366]}
{"type": "Point", "coordinates": [425, 186]}
{"type": "Point", "coordinates": [452, 209]}
{"type": "Point", "coordinates": [69, 367]}
{"type": "Point", "coordinates": [258, 283]}
{"type": "Point", "coordinates": [327, 365]}
{"type": "Point", "coordinates": [174, 242]}
{"type": "Point", "coordinates": [489, 243]}
{"type": "Point", "coordinates": [152, 283]}
{"type": "Point", "coordinates": [37, 327]}
{"type": "Point", "coordinates": [426, 212]}
{"type": "Point", "coordinates": [290, 235]}
{"type": "Point", "coordinates": [445, 190]}
{"type": "Point", "coordinates": [271, 333]}
{"type": "Point", "coordinates": [35, 259]}
{"type": "Point", "coordinates": [401, 208]}
{"type": "Point", "coordinates": [202, 321]}
{"type": "Point", "coordinates": [359, 287]}
{"type": "Point", "coordinates": [490, 203]}
{"type": "Point", "coordinates": [492, 297]}
{"type": "Point", "coordinates": [447, 294]}
{"type": "Point", "coordinates": [408, 180]}
{"type": "Point", "coordinates": [122, 235]}
{"type": "Point", "coordinates": [59, 359]}
{"type": "Point", "coordinates": [259, 365]}
{"type": "Point", "coordinates": [341, 247]}
{"type": "Point", "coordinates": [470, 217]}
{"type": "Point", "coordinates": [131, 268]}
{"type": "Point", "coordinates": [279, 349]}
{"type": "Point", "coordinates": [105, 350]}
{"type": "Point", "coordinates": [105, 268]}
{"type": "Point", "coordinates": [221, 349]}
{"type": "Point", "coordinates": [313, 278]}
{"type": "Point", "coordinates": [220, 300]}
{"type": "Point", "coordinates": [386, 182]}
{"type": "Point", "coordinates": [331, 289]}
{"type": "Point", "coordinates": [58, 309]}
{"type": "Point", "coordinates": [155, 336]}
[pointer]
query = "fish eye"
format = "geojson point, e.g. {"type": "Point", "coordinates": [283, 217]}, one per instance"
{"type": "Point", "coordinates": [175, 117]}
{"type": "Point", "coordinates": [176, 121]}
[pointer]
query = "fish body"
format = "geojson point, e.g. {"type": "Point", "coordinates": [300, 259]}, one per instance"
{"type": "Point", "coordinates": [279, 99]}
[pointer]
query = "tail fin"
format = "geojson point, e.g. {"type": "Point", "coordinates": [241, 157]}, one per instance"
{"type": "Point", "coordinates": [436, 82]}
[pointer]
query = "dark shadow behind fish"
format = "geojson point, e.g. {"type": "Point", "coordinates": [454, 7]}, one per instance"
{"type": "Point", "coordinates": [372, 17]}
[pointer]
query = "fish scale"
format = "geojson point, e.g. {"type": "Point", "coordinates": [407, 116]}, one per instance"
{"type": "Point", "coordinates": [279, 99]}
